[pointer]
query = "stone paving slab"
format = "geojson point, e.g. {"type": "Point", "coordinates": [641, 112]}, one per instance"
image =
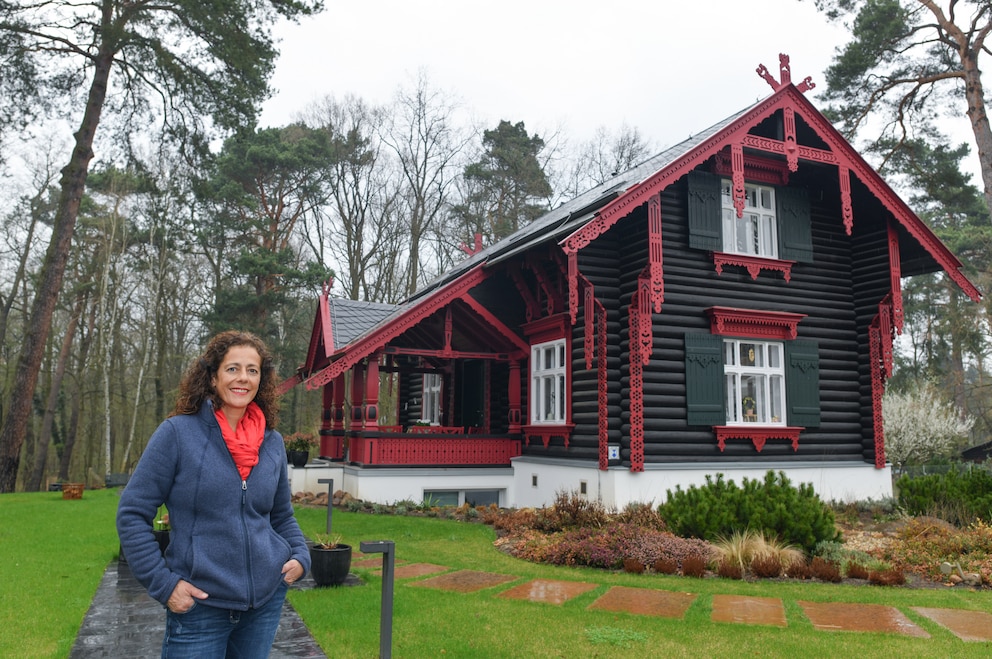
{"type": "Point", "coordinates": [412, 570]}
{"type": "Point", "coordinates": [124, 621]}
{"type": "Point", "coordinates": [545, 590]}
{"type": "Point", "coordinates": [465, 581]}
{"type": "Point", "coordinates": [748, 610]}
{"type": "Point", "coordinates": [838, 616]}
{"type": "Point", "coordinates": [645, 601]}
{"type": "Point", "coordinates": [966, 625]}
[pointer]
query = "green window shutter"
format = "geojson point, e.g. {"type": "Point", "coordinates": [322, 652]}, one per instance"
{"type": "Point", "coordinates": [704, 386]}
{"type": "Point", "coordinates": [795, 234]}
{"type": "Point", "coordinates": [705, 216]}
{"type": "Point", "coordinates": [802, 383]}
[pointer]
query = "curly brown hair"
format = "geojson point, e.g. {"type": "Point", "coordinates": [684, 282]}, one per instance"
{"type": "Point", "coordinates": [196, 385]}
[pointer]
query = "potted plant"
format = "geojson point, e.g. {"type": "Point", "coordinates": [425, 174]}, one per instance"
{"type": "Point", "coordinates": [161, 528]}
{"type": "Point", "coordinates": [330, 560]}
{"type": "Point", "coordinates": [298, 445]}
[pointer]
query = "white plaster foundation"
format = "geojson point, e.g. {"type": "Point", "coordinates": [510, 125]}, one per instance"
{"type": "Point", "coordinates": [534, 482]}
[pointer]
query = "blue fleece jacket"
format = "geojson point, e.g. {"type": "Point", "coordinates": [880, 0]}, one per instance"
{"type": "Point", "coordinates": [229, 538]}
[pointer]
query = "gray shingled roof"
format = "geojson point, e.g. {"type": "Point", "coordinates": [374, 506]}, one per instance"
{"type": "Point", "coordinates": [573, 214]}
{"type": "Point", "coordinates": [352, 318]}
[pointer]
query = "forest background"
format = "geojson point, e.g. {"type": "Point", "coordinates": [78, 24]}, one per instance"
{"type": "Point", "coordinates": [190, 218]}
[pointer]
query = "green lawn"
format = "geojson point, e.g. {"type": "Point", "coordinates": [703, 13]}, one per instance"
{"type": "Point", "coordinates": [53, 553]}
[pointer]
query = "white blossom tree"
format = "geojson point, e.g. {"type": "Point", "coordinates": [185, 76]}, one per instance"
{"type": "Point", "coordinates": [921, 425]}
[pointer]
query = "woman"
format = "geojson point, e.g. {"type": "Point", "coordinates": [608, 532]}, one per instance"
{"type": "Point", "coordinates": [220, 468]}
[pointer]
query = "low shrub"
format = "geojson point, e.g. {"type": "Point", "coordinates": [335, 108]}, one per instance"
{"type": "Point", "coordinates": [890, 577]}
{"type": "Point", "coordinates": [799, 570]}
{"type": "Point", "coordinates": [694, 566]}
{"type": "Point", "coordinates": [641, 515]}
{"type": "Point", "coordinates": [729, 569]}
{"type": "Point", "coordinates": [666, 566]}
{"type": "Point", "coordinates": [825, 570]}
{"type": "Point", "coordinates": [856, 571]}
{"type": "Point", "coordinates": [571, 510]}
{"type": "Point", "coordinates": [958, 498]}
{"type": "Point", "coordinates": [772, 506]}
{"type": "Point", "coordinates": [766, 566]}
{"type": "Point", "coordinates": [633, 566]}
{"type": "Point", "coordinates": [926, 542]}
{"type": "Point", "coordinates": [607, 547]}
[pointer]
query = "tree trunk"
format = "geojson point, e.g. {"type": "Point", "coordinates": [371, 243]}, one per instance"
{"type": "Point", "coordinates": [34, 482]}
{"type": "Point", "coordinates": [978, 116]}
{"type": "Point", "coordinates": [73, 184]}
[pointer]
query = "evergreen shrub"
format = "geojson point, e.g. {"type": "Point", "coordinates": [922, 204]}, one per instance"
{"type": "Point", "coordinates": [958, 498]}
{"type": "Point", "coordinates": [772, 506]}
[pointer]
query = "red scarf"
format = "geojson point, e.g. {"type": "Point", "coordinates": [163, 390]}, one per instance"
{"type": "Point", "coordinates": [243, 442]}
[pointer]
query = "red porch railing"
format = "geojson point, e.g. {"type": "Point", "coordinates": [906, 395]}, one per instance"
{"type": "Point", "coordinates": [423, 449]}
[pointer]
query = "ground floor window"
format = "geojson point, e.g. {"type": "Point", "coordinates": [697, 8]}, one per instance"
{"type": "Point", "coordinates": [754, 374]}
{"type": "Point", "coordinates": [548, 383]}
{"type": "Point", "coordinates": [431, 411]}
{"type": "Point", "coordinates": [473, 498]}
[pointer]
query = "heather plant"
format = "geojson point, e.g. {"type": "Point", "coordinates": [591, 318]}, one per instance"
{"type": "Point", "coordinates": [729, 569]}
{"type": "Point", "coordinates": [959, 498]}
{"type": "Point", "coordinates": [773, 506]}
{"type": "Point", "coordinates": [890, 577]}
{"type": "Point", "coordinates": [607, 547]}
{"type": "Point", "coordinates": [825, 570]}
{"type": "Point", "coordinates": [694, 566]}
{"type": "Point", "coordinates": [766, 566]}
{"type": "Point", "coordinates": [925, 543]}
{"type": "Point", "coordinates": [571, 510]}
{"type": "Point", "coordinates": [856, 570]}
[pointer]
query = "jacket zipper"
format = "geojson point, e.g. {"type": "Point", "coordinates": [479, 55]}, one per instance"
{"type": "Point", "coordinates": [244, 528]}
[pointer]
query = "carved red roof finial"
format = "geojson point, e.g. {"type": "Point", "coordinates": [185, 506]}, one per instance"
{"type": "Point", "coordinates": [471, 251]}
{"type": "Point", "coordinates": [785, 76]}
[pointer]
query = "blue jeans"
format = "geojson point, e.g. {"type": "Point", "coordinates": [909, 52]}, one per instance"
{"type": "Point", "coordinates": [206, 632]}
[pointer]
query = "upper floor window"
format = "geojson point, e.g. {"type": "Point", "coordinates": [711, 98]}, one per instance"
{"type": "Point", "coordinates": [776, 224]}
{"type": "Point", "coordinates": [548, 391]}
{"type": "Point", "coordinates": [431, 410]}
{"type": "Point", "coordinates": [755, 232]}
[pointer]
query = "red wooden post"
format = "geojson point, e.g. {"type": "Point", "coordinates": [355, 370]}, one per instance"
{"type": "Point", "coordinates": [372, 393]}
{"type": "Point", "coordinates": [357, 393]}
{"type": "Point", "coordinates": [514, 394]}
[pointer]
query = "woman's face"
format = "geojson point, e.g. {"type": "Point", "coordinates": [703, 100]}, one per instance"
{"type": "Point", "coordinates": [237, 378]}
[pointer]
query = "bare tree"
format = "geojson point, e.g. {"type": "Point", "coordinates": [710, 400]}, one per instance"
{"type": "Point", "coordinates": [427, 144]}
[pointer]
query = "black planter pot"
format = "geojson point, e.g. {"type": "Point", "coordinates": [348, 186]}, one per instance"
{"type": "Point", "coordinates": [163, 539]}
{"type": "Point", "coordinates": [330, 567]}
{"type": "Point", "coordinates": [298, 458]}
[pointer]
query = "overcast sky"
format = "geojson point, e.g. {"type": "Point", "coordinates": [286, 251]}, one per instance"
{"type": "Point", "coordinates": [665, 67]}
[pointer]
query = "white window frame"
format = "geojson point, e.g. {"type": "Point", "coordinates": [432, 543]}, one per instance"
{"type": "Point", "coordinates": [430, 410]}
{"type": "Point", "coordinates": [754, 372]}
{"type": "Point", "coordinates": [755, 233]}
{"type": "Point", "coordinates": [548, 383]}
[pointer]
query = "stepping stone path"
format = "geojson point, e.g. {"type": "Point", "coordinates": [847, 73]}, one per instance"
{"type": "Point", "coordinates": [124, 621]}
{"type": "Point", "coordinates": [829, 616]}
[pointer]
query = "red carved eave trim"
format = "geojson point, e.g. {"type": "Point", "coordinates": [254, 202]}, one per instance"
{"type": "Point", "coordinates": [754, 264]}
{"type": "Point", "coordinates": [758, 436]}
{"type": "Point", "coordinates": [840, 153]}
{"type": "Point", "coordinates": [562, 431]}
{"type": "Point", "coordinates": [754, 323]}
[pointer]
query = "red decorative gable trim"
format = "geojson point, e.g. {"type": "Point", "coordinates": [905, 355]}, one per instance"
{"type": "Point", "coordinates": [756, 168]}
{"type": "Point", "coordinates": [754, 324]}
{"type": "Point", "coordinates": [840, 153]}
{"type": "Point", "coordinates": [409, 318]}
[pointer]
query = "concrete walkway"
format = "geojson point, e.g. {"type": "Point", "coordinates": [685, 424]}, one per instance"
{"type": "Point", "coordinates": [123, 621]}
